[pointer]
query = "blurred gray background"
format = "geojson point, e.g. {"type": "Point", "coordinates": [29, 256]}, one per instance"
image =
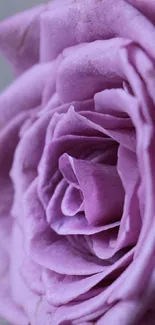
{"type": "Point", "coordinates": [7, 8]}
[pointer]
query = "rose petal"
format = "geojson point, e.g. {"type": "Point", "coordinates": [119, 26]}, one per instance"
{"type": "Point", "coordinates": [8, 308]}
{"type": "Point", "coordinates": [69, 23]}
{"type": "Point", "coordinates": [24, 169]}
{"type": "Point", "coordinates": [143, 118]}
{"type": "Point", "coordinates": [139, 271]}
{"type": "Point", "coordinates": [131, 220]}
{"type": "Point", "coordinates": [127, 312]}
{"type": "Point", "coordinates": [85, 70]}
{"type": "Point", "coordinates": [21, 294]}
{"type": "Point", "coordinates": [103, 180]}
{"type": "Point", "coordinates": [57, 284]}
{"type": "Point", "coordinates": [120, 129]}
{"type": "Point", "coordinates": [20, 38]}
{"type": "Point", "coordinates": [85, 310]}
{"type": "Point", "coordinates": [49, 174]}
{"type": "Point", "coordinates": [31, 273]}
{"type": "Point", "coordinates": [104, 243]}
{"type": "Point", "coordinates": [45, 247]}
{"type": "Point", "coordinates": [70, 129]}
{"type": "Point", "coordinates": [147, 8]}
{"type": "Point", "coordinates": [72, 202]}
{"type": "Point", "coordinates": [24, 94]}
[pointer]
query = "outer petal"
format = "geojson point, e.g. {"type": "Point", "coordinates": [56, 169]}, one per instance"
{"type": "Point", "coordinates": [72, 22]}
{"type": "Point", "coordinates": [8, 141]}
{"type": "Point", "coordinates": [126, 313]}
{"type": "Point", "coordinates": [82, 310]}
{"type": "Point", "coordinates": [20, 38]}
{"type": "Point", "coordinates": [24, 94]}
{"type": "Point", "coordinates": [21, 294]}
{"type": "Point", "coordinates": [89, 68]}
{"type": "Point", "coordinates": [146, 7]}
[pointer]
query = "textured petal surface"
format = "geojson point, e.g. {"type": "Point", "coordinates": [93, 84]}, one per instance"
{"type": "Point", "coordinates": [77, 139]}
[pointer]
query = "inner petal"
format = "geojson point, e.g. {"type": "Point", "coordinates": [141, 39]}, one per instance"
{"type": "Point", "coordinates": [101, 188]}
{"type": "Point", "coordinates": [72, 202]}
{"type": "Point", "coordinates": [67, 169]}
{"type": "Point", "coordinates": [104, 243]}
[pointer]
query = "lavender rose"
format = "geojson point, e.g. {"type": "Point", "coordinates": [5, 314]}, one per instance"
{"type": "Point", "coordinates": [77, 169]}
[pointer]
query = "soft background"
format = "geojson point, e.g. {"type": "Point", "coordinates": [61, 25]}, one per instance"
{"type": "Point", "coordinates": [7, 8]}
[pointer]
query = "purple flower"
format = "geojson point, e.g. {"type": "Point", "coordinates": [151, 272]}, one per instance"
{"type": "Point", "coordinates": [77, 172]}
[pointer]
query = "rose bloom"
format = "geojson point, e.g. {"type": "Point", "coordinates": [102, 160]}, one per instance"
{"type": "Point", "coordinates": [77, 165]}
